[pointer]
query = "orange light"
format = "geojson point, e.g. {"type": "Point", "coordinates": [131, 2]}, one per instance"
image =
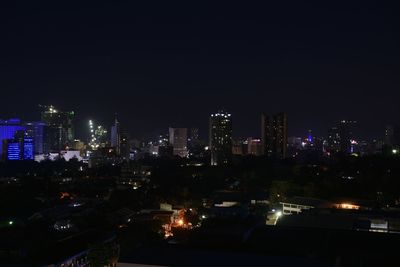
{"type": "Point", "coordinates": [64, 195]}
{"type": "Point", "coordinates": [348, 206]}
{"type": "Point", "coordinates": [180, 222]}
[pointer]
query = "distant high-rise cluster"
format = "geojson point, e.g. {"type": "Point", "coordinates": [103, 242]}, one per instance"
{"type": "Point", "coordinates": [53, 137]}
{"type": "Point", "coordinates": [340, 138]}
{"type": "Point", "coordinates": [221, 138]}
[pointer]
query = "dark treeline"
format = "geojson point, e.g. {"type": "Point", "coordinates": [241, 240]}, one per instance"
{"type": "Point", "coordinates": [373, 178]}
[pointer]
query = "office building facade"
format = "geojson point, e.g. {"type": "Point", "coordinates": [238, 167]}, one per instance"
{"type": "Point", "coordinates": [21, 147]}
{"type": "Point", "coordinates": [8, 129]}
{"type": "Point", "coordinates": [220, 135]}
{"type": "Point", "coordinates": [274, 135]}
{"type": "Point", "coordinates": [60, 130]}
{"type": "Point", "coordinates": [37, 130]}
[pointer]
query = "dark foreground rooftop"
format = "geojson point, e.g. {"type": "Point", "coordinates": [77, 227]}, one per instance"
{"type": "Point", "coordinates": [272, 246]}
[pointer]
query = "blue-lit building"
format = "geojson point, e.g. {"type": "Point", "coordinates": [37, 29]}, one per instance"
{"type": "Point", "coordinates": [37, 131]}
{"type": "Point", "coordinates": [19, 149]}
{"type": "Point", "coordinates": [8, 128]}
{"type": "Point", "coordinates": [13, 150]}
{"type": "Point", "coordinates": [29, 149]}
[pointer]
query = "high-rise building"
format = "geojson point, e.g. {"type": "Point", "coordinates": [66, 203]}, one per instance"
{"type": "Point", "coordinates": [346, 136]}
{"type": "Point", "coordinates": [125, 147]}
{"type": "Point", "coordinates": [21, 147]}
{"type": "Point", "coordinates": [37, 131]}
{"type": "Point", "coordinates": [60, 130]}
{"type": "Point", "coordinates": [391, 141]}
{"type": "Point", "coordinates": [389, 135]}
{"type": "Point", "coordinates": [178, 140]}
{"type": "Point", "coordinates": [266, 135]}
{"type": "Point", "coordinates": [28, 148]}
{"type": "Point", "coordinates": [98, 136]}
{"type": "Point", "coordinates": [13, 151]}
{"type": "Point", "coordinates": [101, 136]}
{"type": "Point", "coordinates": [392, 136]}
{"type": "Point", "coordinates": [220, 138]}
{"type": "Point", "coordinates": [274, 135]}
{"type": "Point", "coordinates": [116, 137]}
{"type": "Point", "coordinates": [8, 128]}
{"type": "Point", "coordinates": [280, 135]}
{"type": "Point", "coordinates": [333, 142]}
{"type": "Point", "coordinates": [194, 135]}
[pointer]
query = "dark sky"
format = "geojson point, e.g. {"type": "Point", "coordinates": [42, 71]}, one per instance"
{"type": "Point", "coordinates": [162, 64]}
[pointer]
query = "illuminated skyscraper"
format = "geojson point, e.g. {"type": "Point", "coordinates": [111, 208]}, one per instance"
{"type": "Point", "coordinates": [274, 135]}
{"type": "Point", "coordinates": [178, 140]}
{"type": "Point", "coordinates": [37, 131]}
{"type": "Point", "coordinates": [8, 128]}
{"type": "Point", "coordinates": [220, 138]}
{"type": "Point", "coordinates": [60, 130]}
{"type": "Point", "coordinates": [346, 136]}
{"type": "Point", "coordinates": [98, 136]}
{"type": "Point", "coordinates": [20, 147]}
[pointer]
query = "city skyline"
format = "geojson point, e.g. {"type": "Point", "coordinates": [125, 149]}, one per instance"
{"type": "Point", "coordinates": [83, 132]}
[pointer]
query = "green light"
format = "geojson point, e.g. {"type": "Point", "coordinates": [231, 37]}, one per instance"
{"type": "Point", "coordinates": [10, 222]}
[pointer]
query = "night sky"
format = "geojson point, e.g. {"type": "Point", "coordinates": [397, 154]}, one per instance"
{"type": "Point", "coordinates": [162, 64]}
